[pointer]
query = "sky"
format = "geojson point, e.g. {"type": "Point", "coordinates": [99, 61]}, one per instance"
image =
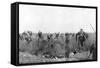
{"type": "Point", "coordinates": [56, 19]}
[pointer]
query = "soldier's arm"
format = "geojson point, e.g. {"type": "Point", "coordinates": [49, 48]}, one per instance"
{"type": "Point", "coordinates": [86, 35]}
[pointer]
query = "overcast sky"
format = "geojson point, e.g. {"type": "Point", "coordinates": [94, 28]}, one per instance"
{"type": "Point", "coordinates": [55, 19]}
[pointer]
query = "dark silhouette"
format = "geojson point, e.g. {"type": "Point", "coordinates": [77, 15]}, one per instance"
{"type": "Point", "coordinates": [81, 36]}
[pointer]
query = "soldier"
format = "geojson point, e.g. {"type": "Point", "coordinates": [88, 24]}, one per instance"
{"type": "Point", "coordinates": [93, 51]}
{"type": "Point", "coordinates": [29, 33]}
{"type": "Point", "coordinates": [66, 38]}
{"type": "Point", "coordinates": [40, 35]}
{"type": "Point", "coordinates": [81, 36]}
{"type": "Point", "coordinates": [67, 45]}
{"type": "Point", "coordinates": [48, 37]}
{"type": "Point", "coordinates": [57, 35]}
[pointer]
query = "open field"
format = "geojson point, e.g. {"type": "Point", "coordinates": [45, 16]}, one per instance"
{"type": "Point", "coordinates": [36, 50]}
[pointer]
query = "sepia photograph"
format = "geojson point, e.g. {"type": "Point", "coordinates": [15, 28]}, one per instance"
{"type": "Point", "coordinates": [56, 34]}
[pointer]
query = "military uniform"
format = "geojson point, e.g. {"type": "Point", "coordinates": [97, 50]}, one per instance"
{"type": "Point", "coordinates": [80, 38]}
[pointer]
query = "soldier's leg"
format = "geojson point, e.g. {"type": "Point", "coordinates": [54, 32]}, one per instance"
{"type": "Point", "coordinates": [79, 45]}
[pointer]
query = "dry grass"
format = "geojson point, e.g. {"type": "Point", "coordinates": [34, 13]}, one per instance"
{"type": "Point", "coordinates": [27, 51]}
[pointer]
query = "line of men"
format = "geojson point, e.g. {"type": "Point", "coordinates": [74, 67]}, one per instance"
{"type": "Point", "coordinates": [81, 37]}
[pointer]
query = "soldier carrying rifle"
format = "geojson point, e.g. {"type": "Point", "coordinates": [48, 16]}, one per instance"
{"type": "Point", "coordinates": [81, 36]}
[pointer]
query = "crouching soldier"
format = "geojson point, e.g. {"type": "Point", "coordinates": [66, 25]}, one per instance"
{"type": "Point", "coordinates": [93, 51]}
